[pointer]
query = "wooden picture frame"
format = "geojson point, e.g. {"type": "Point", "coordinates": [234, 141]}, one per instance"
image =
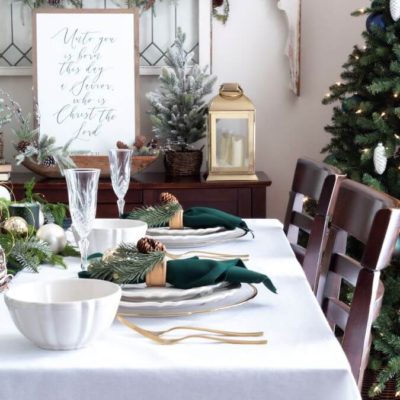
{"type": "Point", "coordinates": [86, 76]}
{"type": "Point", "coordinates": [204, 9]}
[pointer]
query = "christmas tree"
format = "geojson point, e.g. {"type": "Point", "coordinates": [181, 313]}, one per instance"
{"type": "Point", "coordinates": [365, 144]}
{"type": "Point", "coordinates": [178, 110]}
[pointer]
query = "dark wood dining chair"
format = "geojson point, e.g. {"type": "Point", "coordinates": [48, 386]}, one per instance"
{"type": "Point", "coordinates": [373, 219]}
{"type": "Point", "coordinates": [319, 182]}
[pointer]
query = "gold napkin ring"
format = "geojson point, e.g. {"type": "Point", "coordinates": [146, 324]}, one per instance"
{"type": "Point", "coordinates": [176, 221]}
{"type": "Point", "coordinates": [158, 275]}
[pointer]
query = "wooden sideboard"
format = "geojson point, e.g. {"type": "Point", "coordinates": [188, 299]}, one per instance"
{"type": "Point", "coordinates": [246, 199]}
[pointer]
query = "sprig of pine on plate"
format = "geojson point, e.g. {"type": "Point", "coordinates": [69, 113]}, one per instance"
{"type": "Point", "coordinates": [125, 264]}
{"type": "Point", "coordinates": [155, 216]}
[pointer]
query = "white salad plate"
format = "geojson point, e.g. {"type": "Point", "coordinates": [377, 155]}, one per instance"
{"type": "Point", "coordinates": [139, 292]}
{"type": "Point", "coordinates": [220, 299]}
{"type": "Point", "coordinates": [165, 231]}
{"type": "Point", "coordinates": [183, 241]}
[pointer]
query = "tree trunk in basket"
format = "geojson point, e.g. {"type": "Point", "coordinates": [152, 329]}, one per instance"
{"type": "Point", "coordinates": [183, 163]}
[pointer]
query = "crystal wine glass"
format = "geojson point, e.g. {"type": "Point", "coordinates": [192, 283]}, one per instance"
{"type": "Point", "coordinates": [82, 186]}
{"type": "Point", "coordinates": [120, 166]}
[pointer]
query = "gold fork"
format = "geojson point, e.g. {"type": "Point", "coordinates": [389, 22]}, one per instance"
{"type": "Point", "coordinates": [195, 328]}
{"type": "Point", "coordinates": [220, 256]}
{"type": "Point", "coordinates": [155, 336]}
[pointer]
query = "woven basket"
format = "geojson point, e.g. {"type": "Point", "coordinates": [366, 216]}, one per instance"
{"type": "Point", "coordinates": [369, 378]}
{"type": "Point", "coordinates": [183, 163]}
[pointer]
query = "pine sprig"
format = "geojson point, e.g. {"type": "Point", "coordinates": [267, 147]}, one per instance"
{"type": "Point", "coordinates": [126, 265]}
{"type": "Point", "coordinates": [27, 253]}
{"type": "Point", "coordinates": [155, 216]}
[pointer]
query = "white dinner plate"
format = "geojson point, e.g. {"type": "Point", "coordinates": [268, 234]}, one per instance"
{"type": "Point", "coordinates": [184, 241]}
{"type": "Point", "coordinates": [166, 231]}
{"type": "Point", "coordinates": [140, 292]}
{"type": "Point", "coordinates": [218, 294]}
{"type": "Point", "coordinates": [227, 298]}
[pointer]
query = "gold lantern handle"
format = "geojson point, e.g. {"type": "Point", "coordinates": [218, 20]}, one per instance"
{"type": "Point", "coordinates": [230, 91]}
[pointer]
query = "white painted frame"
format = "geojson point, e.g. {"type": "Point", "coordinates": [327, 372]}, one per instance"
{"type": "Point", "coordinates": [205, 39]}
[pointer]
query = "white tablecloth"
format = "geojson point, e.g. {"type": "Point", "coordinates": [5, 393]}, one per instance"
{"type": "Point", "coordinates": [302, 361]}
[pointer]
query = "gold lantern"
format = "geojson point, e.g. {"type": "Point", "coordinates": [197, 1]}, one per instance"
{"type": "Point", "coordinates": [231, 123]}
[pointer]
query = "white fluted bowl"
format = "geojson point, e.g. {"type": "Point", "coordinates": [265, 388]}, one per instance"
{"type": "Point", "coordinates": [64, 314]}
{"type": "Point", "coordinates": [108, 233]}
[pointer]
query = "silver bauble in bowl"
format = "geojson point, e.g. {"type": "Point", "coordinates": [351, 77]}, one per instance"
{"type": "Point", "coordinates": [54, 236]}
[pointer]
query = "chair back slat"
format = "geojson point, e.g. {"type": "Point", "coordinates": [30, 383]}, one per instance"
{"type": "Point", "coordinates": [346, 267]}
{"type": "Point", "coordinates": [317, 181]}
{"type": "Point", "coordinates": [337, 313]}
{"type": "Point", "coordinates": [303, 221]}
{"type": "Point", "coordinates": [373, 218]}
{"type": "Point", "coordinates": [356, 207]}
{"type": "Point", "coordinates": [380, 247]}
{"type": "Point", "coordinates": [309, 177]}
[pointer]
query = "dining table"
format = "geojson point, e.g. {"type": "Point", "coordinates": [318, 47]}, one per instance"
{"type": "Point", "coordinates": [302, 360]}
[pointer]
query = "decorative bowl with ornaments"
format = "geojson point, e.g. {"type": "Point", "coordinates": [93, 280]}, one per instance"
{"type": "Point", "coordinates": [65, 314]}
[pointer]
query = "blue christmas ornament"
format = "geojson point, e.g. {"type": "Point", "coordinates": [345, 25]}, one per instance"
{"type": "Point", "coordinates": [351, 103]}
{"type": "Point", "coordinates": [376, 20]}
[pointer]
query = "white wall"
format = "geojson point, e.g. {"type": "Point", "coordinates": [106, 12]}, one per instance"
{"type": "Point", "coordinates": [249, 50]}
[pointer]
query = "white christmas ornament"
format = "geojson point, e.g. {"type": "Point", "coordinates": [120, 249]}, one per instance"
{"type": "Point", "coordinates": [380, 159]}
{"type": "Point", "coordinates": [5, 193]}
{"type": "Point", "coordinates": [395, 9]}
{"type": "Point", "coordinates": [54, 236]}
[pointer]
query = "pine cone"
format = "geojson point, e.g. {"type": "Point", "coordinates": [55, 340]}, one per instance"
{"type": "Point", "coordinates": [22, 146]}
{"type": "Point", "coordinates": [140, 142]}
{"type": "Point", "coordinates": [166, 198]}
{"type": "Point", "coordinates": [147, 245]}
{"type": "Point", "coordinates": [122, 145]}
{"type": "Point", "coordinates": [49, 161]}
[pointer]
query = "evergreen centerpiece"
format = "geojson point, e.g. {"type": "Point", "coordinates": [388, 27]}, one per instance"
{"type": "Point", "coordinates": [178, 110]}
{"type": "Point", "coordinates": [365, 145]}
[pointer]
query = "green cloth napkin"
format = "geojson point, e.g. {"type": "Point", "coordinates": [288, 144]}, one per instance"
{"type": "Point", "coordinates": [194, 272]}
{"type": "Point", "coordinates": [205, 217]}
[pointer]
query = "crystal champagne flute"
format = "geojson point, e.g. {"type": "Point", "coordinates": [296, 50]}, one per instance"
{"type": "Point", "coordinates": [120, 168]}
{"type": "Point", "coordinates": [82, 184]}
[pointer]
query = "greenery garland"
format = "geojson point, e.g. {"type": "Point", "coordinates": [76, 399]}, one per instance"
{"type": "Point", "coordinates": [27, 251]}
{"type": "Point", "coordinates": [143, 5]}
{"type": "Point", "coordinates": [125, 265]}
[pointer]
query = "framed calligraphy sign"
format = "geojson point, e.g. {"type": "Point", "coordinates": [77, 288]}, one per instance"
{"type": "Point", "coordinates": [85, 74]}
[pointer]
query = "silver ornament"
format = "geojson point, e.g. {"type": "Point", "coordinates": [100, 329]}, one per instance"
{"type": "Point", "coordinates": [380, 159]}
{"type": "Point", "coordinates": [54, 236]}
{"type": "Point", "coordinates": [16, 226]}
{"type": "Point", "coordinates": [395, 9]}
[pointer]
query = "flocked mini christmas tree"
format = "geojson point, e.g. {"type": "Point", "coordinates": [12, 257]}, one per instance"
{"type": "Point", "coordinates": [178, 110]}
{"type": "Point", "coordinates": [365, 144]}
